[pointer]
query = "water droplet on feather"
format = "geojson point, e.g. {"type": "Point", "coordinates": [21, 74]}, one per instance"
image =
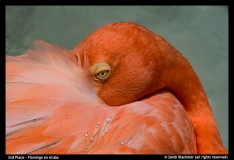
{"type": "Point", "coordinates": [108, 119]}
{"type": "Point", "coordinates": [91, 138]}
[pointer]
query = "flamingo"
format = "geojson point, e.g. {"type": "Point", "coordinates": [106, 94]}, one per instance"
{"type": "Point", "coordinates": [122, 90]}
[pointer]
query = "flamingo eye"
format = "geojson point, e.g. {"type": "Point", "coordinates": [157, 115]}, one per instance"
{"type": "Point", "coordinates": [100, 71]}
{"type": "Point", "coordinates": [102, 74]}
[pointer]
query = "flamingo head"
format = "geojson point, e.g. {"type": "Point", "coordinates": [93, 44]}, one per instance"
{"type": "Point", "coordinates": [126, 61]}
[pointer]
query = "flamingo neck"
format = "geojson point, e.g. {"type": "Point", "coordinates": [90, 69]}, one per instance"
{"type": "Point", "coordinates": [185, 85]}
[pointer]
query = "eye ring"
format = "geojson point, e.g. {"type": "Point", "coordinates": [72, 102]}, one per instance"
{"type": "Point", "coordinates": [100, 71]}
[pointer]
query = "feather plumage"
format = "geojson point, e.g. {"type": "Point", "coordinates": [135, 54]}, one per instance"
{"type": "Point", "coordinates": [52, 107]}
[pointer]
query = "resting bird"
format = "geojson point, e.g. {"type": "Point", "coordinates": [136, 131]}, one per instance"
{"type": "Point", "coordinates": [122, 90]}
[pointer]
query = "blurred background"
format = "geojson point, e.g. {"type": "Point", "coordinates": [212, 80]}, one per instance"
{"type": "Point", "coordinates": [200, 33]}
